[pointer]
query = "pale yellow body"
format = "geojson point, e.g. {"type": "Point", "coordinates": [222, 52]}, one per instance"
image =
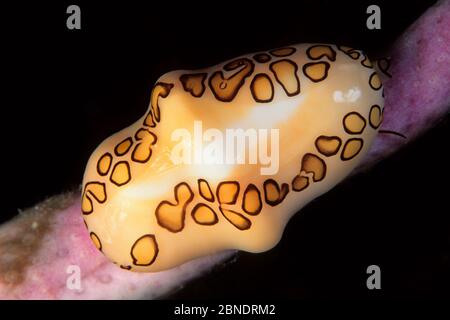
{"type": "Point", "coordinates": [307, 100]}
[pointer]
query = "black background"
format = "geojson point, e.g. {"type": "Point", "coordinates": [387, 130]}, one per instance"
{"type": "Point", "coordinates": [67, 90]}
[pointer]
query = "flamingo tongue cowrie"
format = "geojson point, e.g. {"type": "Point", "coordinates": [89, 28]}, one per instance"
{"type": "Point", "coordinates": [321, 106]}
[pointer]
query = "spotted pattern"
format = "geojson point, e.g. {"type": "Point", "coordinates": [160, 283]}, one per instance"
{"type": "Point", "coordinates": [316, 71]}
{"type": "Point", "coordinates": [366, 62]}
{"type": "Point", "coordinates": [251, 202]}
{"type": "Point", "coordinates": [121, 173]}
{"type": "Point", "coordinates": [194, 83]}
{"type": "Point", "coordinates": [352, 53]}
{"type": "Point", "coordinates": [285, 72]}
{"type": "Point", "coordinates": [225, 88]}
{"type": "Point", "coordinates": [375, 81]}
{"type": "Point", "coordinates": [273, 193]}
{"type": "Point", "coordinates": [96, 241]}
{"type": "Point", "coordinates": [160, 89]}
{"type": "Point", "coordinates": [227, 192]}
{"type": "Point", "coordinates": [143, 150]}
{"type": "Point", "coordinates": [144, 250]}
{"type": "Point", "coordinates": [123, 147]}
{"type": "Point", "coordinates": [262, 57]}
{"type": "Point", "coordinates": [328, 146]}
{"type": "Point", "coordinates": [351, 148]}
{"type": "Point", "coordinates": [300, 183]}
{"type": "Point", "coordinates": [149, 120]}
{"type": "Point", "coordinates": [319, 51]}
{"type": "Point", "coordinates": [283, 52]}
{"type": "Point", "coordinates": [375, 116]}
{"type": "Point", "coordinates": [92, 190]}
{"type": "Point", "coordinates": [171, 215]}
{"type": "Point", "coordinates": [205, 190]}
{"type": "Point", "coordinates": [204, 215]}
{"type": "Point", "coordinates": [236, 219]}
{"type": "Point", "coordinates": [262, 88]}
{"type": "Point", "coordinates": [229, 203]}
{"type": "Point", "coordinates": [104, 164]}
{"type": "Point", "coordinates": [354, 123]}
{"type": "Point", "coordinates": [312, 163]}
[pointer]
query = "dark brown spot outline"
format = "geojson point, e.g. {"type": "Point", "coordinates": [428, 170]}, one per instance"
{"type": "Point", "coordinates": [94, 238]}
{"type": "Point", "coordinates": [299, 183]}
{"type": "Point", "coordinates": [121, 153]}
{"type": "Point", "coordinates": [209, 197]}
{"type": "Point", "coordinates": [366, 62]}
{"type": "Point", "coordinates": [262, 57]}
{"type": "Point", "coordinates": [252, 188]}
{"type": "Point", "coordinates": [149, 121]}
{"type": "Point", "coordinates": [282, 52]}
{"type": "Point", "coordinates": [177, 203]}
{"type": "Point", "coordinates": [197, 207]}
{"type": "Point", "coordinates": [161, 89]}
{"type": "Point", "coordinates": [128, 170]}
{"type": "Point", "coordinates": [91, 193]}
{"type": "Point", "coordinates": [256, 95]}
{"type": "Point", "coordinates": [282, 192]}
{"type": "Point", "coordinates": [140, 144]}
{"type": "Point", "coordinates": [194, 83]}
{"type": "Point", "coordinates": [309, 162]}
{"type": "Point", "coordinates": [343, 158]}
{"type": "Point", "coordinates": [375, 108]}
{"type": "Point", "coordinates": [87, 193]}
{"type": "Point", "coordinates": [247, 222]}
{"type": "Point", "coordinates": [281, 81]}
{"type": "Point", "coordinates": [352, 53]}
{"type": "Point", "coordinates": [219, 84]}
{"type": "Point", "coordinates": [360, 117]}
{"type": "Point", "coordinates": [331, 55]}
{"type": "Point", "coordinates": [234, 198]}
{"type": "Point", "coordinates": [306, 66]}
{"type": "Point", "coordinates": [104, 156]}
{"type": "Point", "coordinates": [154, 256]}
{"type": "Point", "coordinates": [372, 79]}
{"type": "Point", "coordinates": [324, 151]}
